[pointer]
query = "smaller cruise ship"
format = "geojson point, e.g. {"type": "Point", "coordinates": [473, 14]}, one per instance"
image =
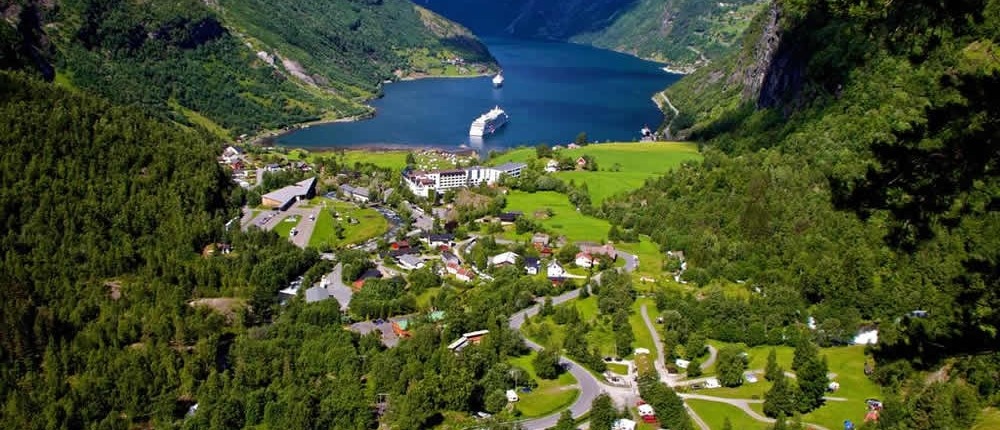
{"type": "Point", "coordinates": [489, 122]}
{"type": "Point", "coordinates": [498, 80]}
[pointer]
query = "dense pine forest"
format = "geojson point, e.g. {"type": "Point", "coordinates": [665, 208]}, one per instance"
{"type": "Point", "coordinates": [855, 181]}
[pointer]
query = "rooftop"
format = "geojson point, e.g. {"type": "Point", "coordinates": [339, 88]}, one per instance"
{"type": "Point", "coordinates": [289, 193]}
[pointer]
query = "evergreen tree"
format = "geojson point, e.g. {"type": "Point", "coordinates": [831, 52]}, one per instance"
{"type": "Point", "coordinates": [726, 424]}
{"type": "Point", "coordinates": [772, 369]}
{"type": "Point", "coordinates": [805, 351]}
{"type": "Point", "coordinates": [566, 421]}
{"type": "Point", "coordinates": [780, 422]}
{"type": "Point", "coordinates": [547, 364]}
{"type": "Point", "coordinates": [602, 412]}
{"type": "Point", "coordinates": [410, 159]}
{"type": "Point", "coordinates": [694, 368]}
{"type": "Point", "coordinates": [730, 366]}
{"type": "Point", "coordinates": [812, 381]}
{"type": "Point", "coordinates": [780, 399]}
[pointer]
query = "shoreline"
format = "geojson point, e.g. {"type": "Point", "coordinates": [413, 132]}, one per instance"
{"type": "Point", "coordinates": [270, 137]}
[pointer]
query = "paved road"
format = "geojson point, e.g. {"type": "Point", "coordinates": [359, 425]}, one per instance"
{"type": "Point", "coordinates": [661, 363]}
{"type": "Point", "coordinates": [712, 355]}
{"type": "Point", "coordinates": [590, 387]}
{"type": "Point", "coordinates": [337, 288]}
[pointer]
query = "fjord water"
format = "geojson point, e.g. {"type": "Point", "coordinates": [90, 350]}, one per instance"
{"type": "Point", "coordinates": [552, 92]}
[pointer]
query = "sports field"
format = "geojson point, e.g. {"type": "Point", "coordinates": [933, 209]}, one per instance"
{"type": "Point", "coordinates": [621, 166]}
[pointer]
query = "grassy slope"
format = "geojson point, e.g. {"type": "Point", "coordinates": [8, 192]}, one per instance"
{"type": "Point", "coordinates": [638, 162]}
{"type": "Point", "coordinates": [551, 395]}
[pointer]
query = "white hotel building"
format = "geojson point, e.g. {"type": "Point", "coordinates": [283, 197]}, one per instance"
{"type": "Point", "coordinates": [444, 180]}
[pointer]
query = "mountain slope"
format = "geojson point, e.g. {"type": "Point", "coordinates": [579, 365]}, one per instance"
{"type": "Point", "coordinates": [242, 66]}
{"type": "Point", "coordinates": [684, 33]}
{"type": "Point", "coordinates": [852, 154]}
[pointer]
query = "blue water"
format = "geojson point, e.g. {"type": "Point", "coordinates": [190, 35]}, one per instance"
{"type": "Point", "coordinates": [552, 92]}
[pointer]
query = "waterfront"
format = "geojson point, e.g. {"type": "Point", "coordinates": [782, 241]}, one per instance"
{"type": "Point", "coordinates": [552, 92]}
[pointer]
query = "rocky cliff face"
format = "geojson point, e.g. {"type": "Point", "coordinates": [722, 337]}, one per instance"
{"type": "Point", "coordinates": [760, 57]}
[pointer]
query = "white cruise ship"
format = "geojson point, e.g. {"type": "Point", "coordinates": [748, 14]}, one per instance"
{"type": "Point", "coordinates": [498, 80]}
{"type": "Point", "coordinates": [488, 123]}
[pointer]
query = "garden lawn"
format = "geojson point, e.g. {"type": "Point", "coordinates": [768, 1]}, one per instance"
{"type": "Point", "coordinates": [714, 414]}
{"type": "Point", "coordinates": [370, 224]}
{"type": "Point", "coordinates": [551, 395]}
{"type": "Point", "coordinates": [285, 226]}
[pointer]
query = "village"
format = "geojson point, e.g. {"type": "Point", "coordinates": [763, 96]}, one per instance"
{"type": "Point", "coordinates": [437, 219]}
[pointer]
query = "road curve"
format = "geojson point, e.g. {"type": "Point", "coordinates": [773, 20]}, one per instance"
{"type": "Point", "coordinates": [590, 387]}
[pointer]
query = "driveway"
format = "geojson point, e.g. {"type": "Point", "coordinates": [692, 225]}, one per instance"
{"type": "Point", "coordinates": [337, 288]}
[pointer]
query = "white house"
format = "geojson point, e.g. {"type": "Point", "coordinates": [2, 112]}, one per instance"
{"type": "Point", "coordinates": [584, 260]}
{"type": "Point", "coordinates": [552, 166]}
{"type": "Point", "coordinates": [507, 258]}
{"type": "Point", "coordinates": [554, 270]}
{"type": "Point", "coordinates": [712, 383]}
{"type": "Point", "coordinates": [410, 262]}
{"type": "Point", "coordinates": [682, 364]}
{"type": "Point", "coordinates": [646, 410]}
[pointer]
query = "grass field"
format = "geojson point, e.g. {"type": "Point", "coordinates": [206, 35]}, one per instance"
{"type": "Point", "coordinates": [565, 220]}
{"type": "Point", "coordinates": [285, 226]}
{"type": "Point", "coordinates": [988, 420]}
{"type": "Point", "coordinates": [714, 414]}
{"type": "Point", "coordinates": [846, 362]}
{"type": "Point", "coordinates": [634, 162]}
{"type": "Point", "coordinates": [551, 395]}
{"type": "Point", "coordinates": [370, 224]}
{"type": "Point", "coordinates": [643, 338]}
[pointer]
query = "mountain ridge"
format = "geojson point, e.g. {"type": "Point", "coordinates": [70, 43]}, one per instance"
{"type": "Point", "coordinates": [244, 66]}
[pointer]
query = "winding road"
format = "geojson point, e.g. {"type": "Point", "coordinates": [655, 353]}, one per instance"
{"type": "Point", "coordinates": [590, 386]}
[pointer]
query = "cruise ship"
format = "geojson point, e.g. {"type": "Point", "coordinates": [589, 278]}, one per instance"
{"type": "Point", "coordinates": [488, 123]}
{"type": "Point", "coordinates": [498, 80]}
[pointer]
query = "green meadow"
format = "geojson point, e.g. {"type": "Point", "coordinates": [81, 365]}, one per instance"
{"type": "Point", "coordinates": [370, 224]}
{"type": "Point", "coordinates": [621, 166]}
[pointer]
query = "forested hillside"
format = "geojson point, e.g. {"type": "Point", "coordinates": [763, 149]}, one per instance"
{"type": "Point", "coordinates": [114, 317]}
{"type": "Point", "coordinates": [232, 67]}
{"type": "Point", "coordinates": [851, 164]}
{"type": "Point", "coordinates": [684, 33]}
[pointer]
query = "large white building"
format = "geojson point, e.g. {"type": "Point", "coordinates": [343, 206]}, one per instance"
{"type": "Point", "coordinates": [443, 180]}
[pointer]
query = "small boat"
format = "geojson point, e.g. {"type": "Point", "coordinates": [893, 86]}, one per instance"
{"type": "Point", "coordinates": [498, 80]}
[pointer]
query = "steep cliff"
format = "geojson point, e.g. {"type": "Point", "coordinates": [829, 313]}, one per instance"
{"type": "Point", "coordinates": [234, 67]}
